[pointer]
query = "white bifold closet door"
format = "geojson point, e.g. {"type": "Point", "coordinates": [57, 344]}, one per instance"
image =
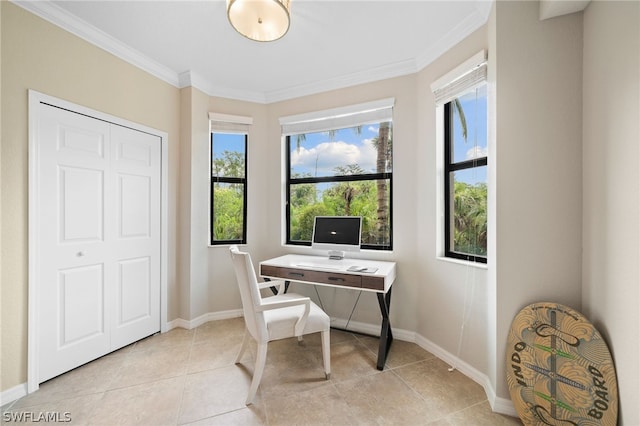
{"type": "Point", "coordinates": [98, 238]}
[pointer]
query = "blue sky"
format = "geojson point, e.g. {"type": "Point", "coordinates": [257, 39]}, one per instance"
{"type": "Point", "coordinates": [227, 142]}
{"type": "Point", "coordinates": [319, 155]}
{"type": "Point", "coordinates": [475, 110]}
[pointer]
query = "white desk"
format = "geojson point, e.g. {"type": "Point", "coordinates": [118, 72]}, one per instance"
{"type": "Point", "coordinates": [318, 270]}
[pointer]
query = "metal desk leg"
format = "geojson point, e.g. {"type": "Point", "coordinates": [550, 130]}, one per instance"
{"type": "Point", "coordinates": [386, 336]}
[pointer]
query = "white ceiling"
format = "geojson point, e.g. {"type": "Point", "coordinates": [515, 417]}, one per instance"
{"type": "Point", "coordinates": [330, 44]}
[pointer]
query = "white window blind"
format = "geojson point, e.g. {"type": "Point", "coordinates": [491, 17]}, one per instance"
{"type": "Point", "coordinates": [229, 123]}
{"type": "Point", "coordinates": [463, 78]}
{"type": "Point", "coordinates": [338, 118]}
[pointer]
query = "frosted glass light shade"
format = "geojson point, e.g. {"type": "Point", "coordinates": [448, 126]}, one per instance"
{"type": "Point", "coordinates": [259, 20]}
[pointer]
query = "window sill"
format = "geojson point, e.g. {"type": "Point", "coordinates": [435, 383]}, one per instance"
{"type": "Point", "coordinates": [226, 245]}
{"type": "Point", "coordinates": [463, 262]}
{"type": "Point", "coordinates": [362, 254]}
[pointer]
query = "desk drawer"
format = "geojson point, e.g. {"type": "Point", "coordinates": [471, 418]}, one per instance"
{"type": "Point", "coordinates": [324, 277]}
{"type": "Point", "coordinates": [375, 283]}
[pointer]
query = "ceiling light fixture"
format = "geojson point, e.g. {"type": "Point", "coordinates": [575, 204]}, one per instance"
{"type": "Point", "coordinates": [259, 20]}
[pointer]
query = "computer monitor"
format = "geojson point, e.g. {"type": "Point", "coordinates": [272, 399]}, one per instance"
{"type": "Point", "coordinates": [336, 234]}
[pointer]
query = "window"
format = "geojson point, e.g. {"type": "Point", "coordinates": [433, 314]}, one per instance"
{"type": "Point", "coordinates": [341, 165]}
{"type": "Point", "coordinates": [461, 97]}
{"type": "Point", "coordinates": [228, 192]}
{"type": "Point", "coordinates": [228, 188]}
{"type": "Point", "coordinates": [465, 182]}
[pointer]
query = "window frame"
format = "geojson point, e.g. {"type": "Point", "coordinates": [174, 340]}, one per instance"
{"type": "Point", "coordinates": [449, 168]}
{"type": "Point", "coordinates": [333, 179]}
{"type": "Point", "coordinates": [227, 179]}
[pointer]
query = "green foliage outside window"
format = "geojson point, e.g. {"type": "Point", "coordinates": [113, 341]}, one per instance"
{"type": "Point", "coordinates": [227, 211]}
{"type": "Point", "coordinates": [465, 168]}
{"type": "Point", "coordinates": [228, 186]}
{"type": "Point", "coordinates": [323, 182]}
{"type": "Point", "coordinates": [470, 218]}
{"type": "Point", "coordinates": [229, 164]}
{"type": "Point", "coordinates": [356, 198]}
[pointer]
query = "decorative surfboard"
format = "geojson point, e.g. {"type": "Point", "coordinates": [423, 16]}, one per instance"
{"type": "Point", "coordinates": [559, 369]}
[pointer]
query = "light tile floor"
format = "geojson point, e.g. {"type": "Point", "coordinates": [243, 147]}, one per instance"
{"type": "Point", "coordinates": [189, 377]}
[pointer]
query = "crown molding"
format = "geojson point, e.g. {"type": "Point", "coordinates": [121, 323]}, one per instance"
{"type": "Point", "coordinates": [552, 8]}
{"type": "Point", "coordinates": [54, 14]}
{"type": "Point", "coordinates": [190, 78]}
{"type": "Point", "coordinates": [483, 7]}
{"type": "Point", "coordinates": [397, 69]}
{"type": "Point", "coordinates": [458, 33]}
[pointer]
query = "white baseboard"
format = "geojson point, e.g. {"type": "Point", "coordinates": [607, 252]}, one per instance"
{"type": "Point", "coordinates": [203, 319]}
{"type": "Point", "coordinates": [355, 326]}
{"type": "Point", "coordinates": [15, 393]}
{"type": "Point", "coordinates": [498, 405]}
{"type": "Point", "coordinates": [503, 406]}
{"type": "Point", "coordinates": [372, 329]}
{"type": "Point", "coordinates": [460, 365]}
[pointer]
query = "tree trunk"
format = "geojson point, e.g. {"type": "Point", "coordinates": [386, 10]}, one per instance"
{"type": "Point", "coordinates": [381, 167]}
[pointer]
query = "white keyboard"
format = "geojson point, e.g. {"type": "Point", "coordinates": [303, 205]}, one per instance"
{"type": "Point", "coordinates": [319, 266]}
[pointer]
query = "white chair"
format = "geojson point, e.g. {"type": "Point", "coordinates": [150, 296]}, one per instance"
{"type": "Point", "coordinates": [277, 317]}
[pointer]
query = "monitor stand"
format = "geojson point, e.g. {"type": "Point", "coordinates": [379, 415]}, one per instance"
{"type": "Point", "coordinates": [336, 254]}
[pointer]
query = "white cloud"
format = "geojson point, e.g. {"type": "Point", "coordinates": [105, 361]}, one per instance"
{"type": "Point", "coordinates": [476, 152]}
{"type": "Point", "coordinates": [324, 157]}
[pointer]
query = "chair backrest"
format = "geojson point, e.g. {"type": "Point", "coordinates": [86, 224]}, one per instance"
{"type": "Point", "coordinates": [249, 293]}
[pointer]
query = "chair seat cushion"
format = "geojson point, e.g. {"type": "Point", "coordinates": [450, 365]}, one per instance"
{"type": "Point", "coordinates": [281, 322]}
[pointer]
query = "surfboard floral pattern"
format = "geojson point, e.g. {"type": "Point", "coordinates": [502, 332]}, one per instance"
{"type": "Point", "coordinates": [559, 369]}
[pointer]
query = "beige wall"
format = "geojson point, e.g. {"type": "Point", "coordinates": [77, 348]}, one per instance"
{"type": "Point", "coordinates": [265, 195]}
{"type": "Point", "coordinates": [611, 179]}
{"type": "Point", "coordinates": [538, 165]}
{"type": "Point", "coordinates": [405, 141]}
{"type": "Point", "coordinates": [536, 176]}
{"type": "Point", "coordinates": [429, 295]}
{"type": "Point", "coordinates": [224, 293]}
{"type": "Point", "coordinates": [37, 55]}
{"type": "Point", "coordinates": [452, 309]}
{"type": "Point", "coordinates": [2, 292]}
{"type": "Point", "coordinates": [193, 206]}
{"type": "Point", "coordinates": [209, 283]}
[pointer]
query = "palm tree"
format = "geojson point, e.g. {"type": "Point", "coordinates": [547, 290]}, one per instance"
{"type": "Point", "coordinates": [383, 144]}
{"type": "Point", "coordinates": [470, 219]}
{"type": "Point", "coordinates": [463, 119]}
{"type": "Point", "coordinates": [302, 137]}
{"type": "Point", "coordinates": [348, 191]}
